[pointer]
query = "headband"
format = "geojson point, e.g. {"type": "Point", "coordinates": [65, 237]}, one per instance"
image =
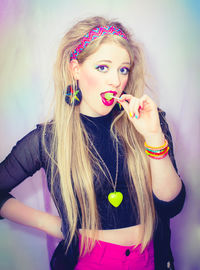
{"type": "Point", "coordinates": [93, 34]}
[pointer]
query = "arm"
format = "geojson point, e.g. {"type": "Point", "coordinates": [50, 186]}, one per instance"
{"type": "Point", "coordinates": [22, 214]}
{"type": "Point", "coordinates": [166, 183]}
{"type": "Point", "coordinates": [173, 207]}
{"type": "Point", "coordinates": [143, 114]}
{"type": "Point", "coordinates": [23, 161]}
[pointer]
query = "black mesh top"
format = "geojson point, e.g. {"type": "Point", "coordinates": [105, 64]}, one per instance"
{"type": "Point", "coordinates": [28, 156]}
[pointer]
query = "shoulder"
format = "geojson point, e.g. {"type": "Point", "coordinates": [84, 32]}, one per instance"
{"type": "Point", "coordinates": [34, 136]}
{"type": "Point", "coordinates": [35, 140]}
{"type": "Point", "coordinates": [162, 116]}
{"type": "Point", "coordinates": [44, 130]}
{"type": "Point", "coordinates": [161, 112]}
{"type": "Point", "coordinates": [45, 126]}
{"type": "Point", "coordinates": [168, 136]}
{"type": "Point", "coordinates": [164, 125]}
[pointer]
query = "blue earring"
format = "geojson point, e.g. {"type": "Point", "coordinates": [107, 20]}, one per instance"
{"type": "Point", "coordinates": [73, 97]}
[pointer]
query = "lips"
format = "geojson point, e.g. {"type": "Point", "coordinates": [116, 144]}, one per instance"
{"type": "Point", "coordinates": [105, 101]}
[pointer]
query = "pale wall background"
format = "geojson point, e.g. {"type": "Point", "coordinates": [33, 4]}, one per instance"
{"type": "Point", "coordinates": [30, 32]}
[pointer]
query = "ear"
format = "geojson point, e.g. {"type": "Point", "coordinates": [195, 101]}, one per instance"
{"type": "Point", "coordinates": [75, 69]}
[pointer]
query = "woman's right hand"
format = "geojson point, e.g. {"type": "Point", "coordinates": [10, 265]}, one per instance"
{"type": "Point", "coordinates": [51, 225]}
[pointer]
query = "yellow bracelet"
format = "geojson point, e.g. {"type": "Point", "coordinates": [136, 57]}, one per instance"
{"type": "Point", "coordinates": [159, 147]}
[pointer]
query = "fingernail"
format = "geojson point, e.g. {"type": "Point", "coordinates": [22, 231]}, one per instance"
{"type": "Point", "coordinates": [130, 114]}
{"type": "Point", "coordinates": [139, 108]}
{"type": "Point", "coordinates": [136, 116]}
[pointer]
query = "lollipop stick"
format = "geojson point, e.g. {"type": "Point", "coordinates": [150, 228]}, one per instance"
{"type": "Point", "coordinates": [117, 98]}
{"type": "Point", "coordinates": [110, 96]}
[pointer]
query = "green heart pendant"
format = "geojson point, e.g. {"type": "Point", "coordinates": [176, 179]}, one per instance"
{"type": "Point", "coordinates": [115, 198]}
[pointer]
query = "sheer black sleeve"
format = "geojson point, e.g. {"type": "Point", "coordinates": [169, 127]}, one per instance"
{"type": "Point", "coordinates": [23, 161]}
{"type": "Point", "coordinates": [171, 208]}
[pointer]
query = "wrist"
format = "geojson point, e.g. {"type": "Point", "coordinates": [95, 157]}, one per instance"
{"type": "Point", "coordinates": [155, 139]}
{"type": "Point", "coordinates": [51, 225]}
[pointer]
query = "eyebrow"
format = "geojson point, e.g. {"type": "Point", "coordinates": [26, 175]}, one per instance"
{"type": "Point", "coordinates": [109, 61]}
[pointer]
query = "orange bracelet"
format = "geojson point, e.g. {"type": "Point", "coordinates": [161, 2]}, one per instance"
{"type": "Point", "coordinates": [156, 148]}
{"type": "Point", "coordinates": [157, 152]}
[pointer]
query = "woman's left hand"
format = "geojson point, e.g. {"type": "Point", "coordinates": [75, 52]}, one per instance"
{"type": "Point", "coordinates": [142, 113]}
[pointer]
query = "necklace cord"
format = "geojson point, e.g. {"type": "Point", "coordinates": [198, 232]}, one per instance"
{"type": "Point", "coordinates": [113, 184]}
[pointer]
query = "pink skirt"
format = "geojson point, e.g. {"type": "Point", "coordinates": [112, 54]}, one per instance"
{"type": "Point", "coordinates": [108, 256]}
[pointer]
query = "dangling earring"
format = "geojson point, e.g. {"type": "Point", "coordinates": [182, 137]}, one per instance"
{"type": "Point", "coordinates": [73, 97]}
{"type": "Point", "coordinates": [118, 106]}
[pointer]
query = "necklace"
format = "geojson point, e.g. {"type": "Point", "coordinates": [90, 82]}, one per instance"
{"type": "Point", "coordinates": [115, 198]}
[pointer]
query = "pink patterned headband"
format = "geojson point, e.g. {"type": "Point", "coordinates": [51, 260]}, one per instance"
{"type": "Point", "coordinates": [93, 34]}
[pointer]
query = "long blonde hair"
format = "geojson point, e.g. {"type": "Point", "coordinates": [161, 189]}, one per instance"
{"type": "Point", "coordinates": [70, 153]}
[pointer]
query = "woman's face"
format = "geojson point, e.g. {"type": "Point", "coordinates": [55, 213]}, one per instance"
{"type": "Point", "coordinates": [105, 71]}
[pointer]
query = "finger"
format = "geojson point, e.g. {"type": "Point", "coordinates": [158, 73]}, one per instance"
{"type": "Point", "coordinates": [147, 103]}
{"type": "Point", "coordinates": [131, 107]}
{"type": "Point", "coordinates": [136, 106]}
{"type": "Point", "coordinates": [125, 105]}
{"type": "Point", "coordinates": [128, 102]}
{"type": "Point", "coordinates": [124, 101]}
{"type": "Point", "coordinates": [125, 97]}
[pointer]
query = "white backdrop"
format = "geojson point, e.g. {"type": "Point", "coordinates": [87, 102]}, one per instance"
{"type": "Point", "coordinates": [30, 32]}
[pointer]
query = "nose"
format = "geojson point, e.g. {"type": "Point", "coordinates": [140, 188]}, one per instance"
{"type": "Point", "coordinates": [114, 79]}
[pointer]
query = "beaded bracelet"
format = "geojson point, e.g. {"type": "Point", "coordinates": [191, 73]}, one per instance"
{"type": "Point", "coordinates": [157, 152]}
{"type": "Point", "coordinates": [156, 148]}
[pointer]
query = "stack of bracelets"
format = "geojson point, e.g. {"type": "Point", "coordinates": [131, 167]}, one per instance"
{"type": "Point", "coordinates": [157, 152]}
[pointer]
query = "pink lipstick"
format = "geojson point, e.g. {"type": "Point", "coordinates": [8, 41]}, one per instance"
{"type": "Point", "coordinates": [108, 102]}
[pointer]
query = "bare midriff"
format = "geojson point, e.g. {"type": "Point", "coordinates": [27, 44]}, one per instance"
{"type": "Point", "coordinates": [125, 237]}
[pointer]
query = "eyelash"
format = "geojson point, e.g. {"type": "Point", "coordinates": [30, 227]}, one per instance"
{"type": "Point", "coordinates": [101, 66]}
{"type": "Point", "coordinates": [127, 70]}
{"type": "Point", "coordinates": [104, 66]}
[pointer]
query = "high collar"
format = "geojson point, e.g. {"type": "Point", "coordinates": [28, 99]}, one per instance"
{"type": "Point", "coordinates": [100, 121]}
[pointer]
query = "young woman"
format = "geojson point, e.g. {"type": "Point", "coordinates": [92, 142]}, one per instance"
{"type": "Point", "coordinates": [108, 157]}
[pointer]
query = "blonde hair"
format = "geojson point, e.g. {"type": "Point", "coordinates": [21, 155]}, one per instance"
{"type": "Point", "coordinates": [70, 152]}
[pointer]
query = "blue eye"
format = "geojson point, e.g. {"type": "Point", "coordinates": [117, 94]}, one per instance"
{"type": "Point", "coordinates": [102, 68]}
{"type": "Point", "coordinates": [124, 70]}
